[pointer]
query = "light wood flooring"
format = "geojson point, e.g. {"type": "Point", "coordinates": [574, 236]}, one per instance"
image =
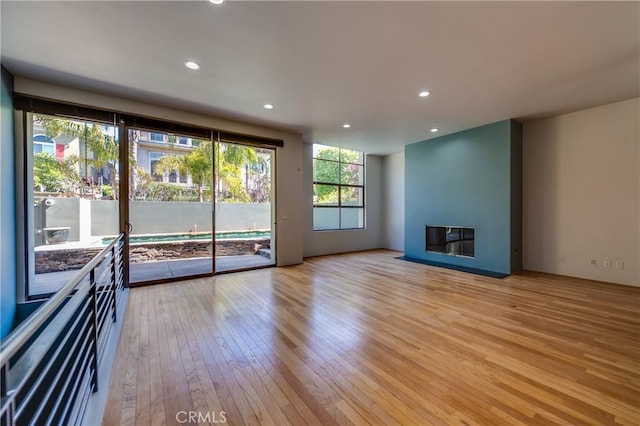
{"type": "Point", "coordinates": [364, 338]}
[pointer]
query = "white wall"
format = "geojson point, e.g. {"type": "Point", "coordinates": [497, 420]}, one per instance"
{"type": "Point", "coordinates": [317, 243]}
{"type": "Point", "coordinates": [288, 173]}
{"type": "Point", "coordinates": [393, 201]}
{"type": "Point", "coordinates": [582, 193]}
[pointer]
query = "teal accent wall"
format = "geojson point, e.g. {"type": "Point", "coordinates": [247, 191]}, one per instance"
{"type": "Point", "coordinates": [7, 208]}
{"type": "Point", "coordinates": [472, 179]}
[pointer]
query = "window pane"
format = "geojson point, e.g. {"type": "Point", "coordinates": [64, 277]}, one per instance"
{"type": "Point", "coordinates": [158, 137]}
{"type": "Point", "coordinates": [326, 171]}
{"type": "Point", "coordinates": [339, 181]}
{"type": "Point", "coordinates": [348, 156]}
{"type": "Point", "coordinates": [74, 173]}
{"type": "Point", "coordinates": [352, 218]}
{"type": "Point", "coordinates": [258, 177]}
{"type": "Point", "coordinates": [326, 152]}
{"type": "Point", "coordinates": [325, 195]}
{"type": "Point", "coordinates": [351, 196]}
{"type": "Point", "coordinates": [352, 174]}
{"type": "Point", "coordinates": [156, 174]}
{"type": "Point", "coordinates": [326, 218]}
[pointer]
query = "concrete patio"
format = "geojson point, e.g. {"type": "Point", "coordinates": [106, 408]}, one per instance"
{"type": "Point", "coordinates": [151, 271]}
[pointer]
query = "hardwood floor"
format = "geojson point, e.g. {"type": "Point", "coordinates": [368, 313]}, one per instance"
{"type": "Point", "coordinates": [367, 339]}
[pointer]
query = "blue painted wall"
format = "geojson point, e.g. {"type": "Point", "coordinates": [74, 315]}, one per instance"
{"type": "Point", "coordinates": [7, 208]}
{"type": "Point", "coordinates": [465, 179]}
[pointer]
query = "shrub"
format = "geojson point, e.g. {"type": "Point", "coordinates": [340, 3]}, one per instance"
{"type": "Point", "coordinates": [161, 191]}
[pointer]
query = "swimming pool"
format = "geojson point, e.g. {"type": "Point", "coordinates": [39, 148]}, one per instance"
{"type": "Point", "coordinates": [200, 236]}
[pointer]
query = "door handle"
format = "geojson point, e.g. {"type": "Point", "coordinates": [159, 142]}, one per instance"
{"type": "Point", "coordinates": [129, 228]}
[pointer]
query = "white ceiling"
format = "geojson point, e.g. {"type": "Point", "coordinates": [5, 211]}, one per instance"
{"type": "Point", "coordinates": [326, 63]}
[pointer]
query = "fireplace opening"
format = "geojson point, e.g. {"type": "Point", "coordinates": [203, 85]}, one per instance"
{"type": "Point", "coordinates": [450, 240]}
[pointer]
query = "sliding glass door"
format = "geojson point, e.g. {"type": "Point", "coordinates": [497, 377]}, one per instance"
{"type": "Point", "coordinates": [73, 197]}
{"type": "Point", "coordinates": [173, 183]}
{"type": "Point", "coordinates": [244, 204]}
{"type": "Point", "coordinates": [191, 201]}
{"type": "Point", "coordinates": [170, 206]}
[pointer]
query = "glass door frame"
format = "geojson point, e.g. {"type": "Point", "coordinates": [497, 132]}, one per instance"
{"type": "Point", "coordinates": [273, 204]}
{"type": "Point", "coordinates": [24, 191]}
{"type": "Point", "coordinates": [25, 105]}
{"type": "Point", "coordinates": [125, 212]}
{"type": "Point", "coordinates": [126, 226]}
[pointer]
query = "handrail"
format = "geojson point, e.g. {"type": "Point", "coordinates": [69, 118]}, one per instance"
{"type": "Point", "coordinates": [25, 331]}
{"type": "Point", "coordinates": [49, 365]}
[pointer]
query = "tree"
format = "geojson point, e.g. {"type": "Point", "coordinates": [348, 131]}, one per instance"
{"type": "Point", "coordinates": [53, 175]}
{"type": "Point", "coordinates": [199, 163]}
{"type": "Point", "coordinates": [229, 160]}
{"type": "Point", "coordinates": [104, 148]}
{"type": "Point", "coordinates": [334, 165]}
{"type": "Point", "coordinates": [258, 180]}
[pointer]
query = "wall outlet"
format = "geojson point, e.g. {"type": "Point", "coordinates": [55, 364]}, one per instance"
{"type": "Point", "coordinates": [606, 264]}
{"type": "Point", "coordinates": [593, 262]}
{"type": "Point", "coordinates": [619, 264]}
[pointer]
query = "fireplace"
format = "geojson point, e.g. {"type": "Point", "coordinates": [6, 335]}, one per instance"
{"type": "Point", "coordinates": [450, 240]}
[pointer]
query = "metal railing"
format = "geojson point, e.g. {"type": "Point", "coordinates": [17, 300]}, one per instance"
{"type": "Point", "coordinates": [49, 364]}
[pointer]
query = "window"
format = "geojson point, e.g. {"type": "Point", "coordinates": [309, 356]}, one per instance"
{"type": "Point", "coordinates": [158, 137]}
{"type": "Point", "coordinates": [70, 170]}
{"type": "Point", "coordinates": [183, 141]}
{"type": "Point", "coordinates": [153, 159]}
{"type": "Point", "coordinates": [257, 167]}
{"type": "Point", "coordinates": [338, 188]}
{"type": "Point", "coordinates": [43, 143]}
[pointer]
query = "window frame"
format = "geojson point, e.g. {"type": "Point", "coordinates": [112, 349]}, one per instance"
{"type": "Point", "coordinates": [154, 156]}
{"type": "Point", "coordinates": [340, 185]}
{"type": "Point", "coordinates": [42, 144]}
{"type": "Point", "coordinates": [24, 138]}
{"type": "Point", "coordinates": [153, 136]}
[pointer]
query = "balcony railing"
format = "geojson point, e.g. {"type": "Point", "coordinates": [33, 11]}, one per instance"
{"type": "Point", "coordinates": [49, 364]}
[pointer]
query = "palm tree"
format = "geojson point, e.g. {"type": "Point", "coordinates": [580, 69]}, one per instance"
{"type": "Point", "coordinates": [104, 148]}
{"type": "Point", "coordinates": [229, 160]}
{"type": "Point", "coordinates": [197, 163]}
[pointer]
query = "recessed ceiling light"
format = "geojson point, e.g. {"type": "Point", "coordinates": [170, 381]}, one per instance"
{"type": "Point", "coordinates": [192, 65]}
{"type": "Point", "coordinates": [217, 1]}
{"type": "Point", "coordinates": [268, 106]}
{"type": "Point", "coordinates": [346, 125]}
{"type": "Point", "coordinates": [434, 130]}
{"type": "Point", "coordinates": [423, 94]}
